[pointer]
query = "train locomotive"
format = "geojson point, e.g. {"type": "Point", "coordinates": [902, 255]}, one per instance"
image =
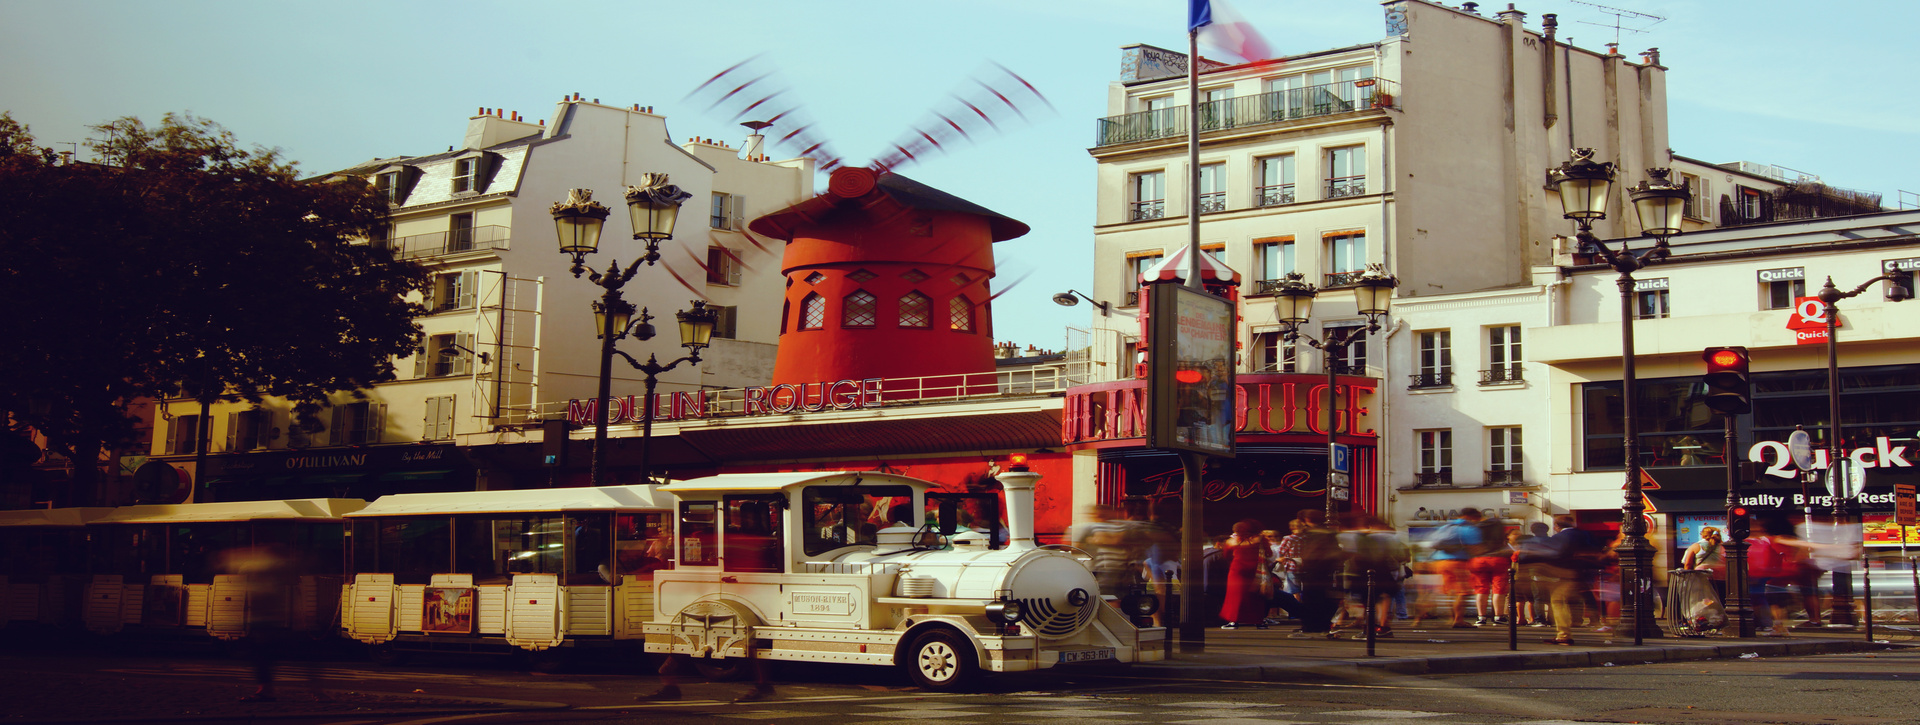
{"type": "Point", "coordinates": [873, 568]}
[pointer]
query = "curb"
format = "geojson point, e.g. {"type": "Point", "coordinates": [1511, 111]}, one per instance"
{"type": "Point", "coordinates": [1496, 661]}
{"type": "Point", "coordinates": [471, 705]}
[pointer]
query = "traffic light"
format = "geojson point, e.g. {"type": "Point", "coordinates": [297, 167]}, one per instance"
{"type": "Point", "coordinates": [1728, 390]}
{"type": "Point", "coordinates": [1739, 525]}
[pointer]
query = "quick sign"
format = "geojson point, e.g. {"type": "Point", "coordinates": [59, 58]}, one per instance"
{"type": "Point", "coordinates": [1783, 275]}
{"type": "Point", "coordinates": [1649, 285]}
{"type": "Point", "coordinates": [1909, 264]}
{"type": "Point", "coordinates": [1808, 321]}
{"type": "Point", "coordinates": [1882, 454]}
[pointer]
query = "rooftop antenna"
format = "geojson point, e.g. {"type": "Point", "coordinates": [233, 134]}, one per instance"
{"type": "Point", "coordinates": [1619, 20]}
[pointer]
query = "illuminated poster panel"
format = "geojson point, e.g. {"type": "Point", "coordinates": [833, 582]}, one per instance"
{"type": "Point", "coordinates": [1190, 374]}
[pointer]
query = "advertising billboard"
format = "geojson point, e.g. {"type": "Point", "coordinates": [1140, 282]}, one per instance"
{"type": "Point", "coordinates": [1190, 366]}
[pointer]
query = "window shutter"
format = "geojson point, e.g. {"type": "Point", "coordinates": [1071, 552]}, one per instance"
{"type": "Point", "coordinates": [737, 208]}
{"type": "Point", "coordinates": [233, 432]}
{"type": "Point", "coordinates": [337, 434]}
{"type": "Point", "coordinates": [376, 422]}
{"type": "Point", "coordinates": [469, 281]}
{"type": "Point", "coordinates": [173, 435]}
{"type": "Point", "coordinates": [462, 359]}
{"type": "Point", "coordinates": [429, 426]}
{"type": "Point", "coordinates": [420, 361]}
{"type": "Point", "coordinates": [263, 428]}
{"type": "Point", "coordinates": [446, 417]}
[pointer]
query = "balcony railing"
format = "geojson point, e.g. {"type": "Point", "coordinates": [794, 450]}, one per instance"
{"type": "Point", "coordinates": [1345, 186]}
{"type": "Point", "coordinates": [1270, 107]}
{"type": "Point", "coordinates": [1344, 279]}
{"type": "Point", "coordinates": [1148, 210]}
{"type": "Point", "coordinates": [1439, 379]}
{"type": "Point", "coordinates": [1509, 477]}
{"type": "Point", "coordinates": [1433, 479]}
{"type": "Point", "coordinates": [1267, 286]}
{"type": "Point", "coordinates": [435, 244]}
{"type": "Point", "coordinates": [1132, 299]}
{"type": "Point", "coordinates": [1216, 201]}
{"type": "Point", "coordinates": [1504, 375]}
{"type": "Point", "coordinates": [1273, 195]}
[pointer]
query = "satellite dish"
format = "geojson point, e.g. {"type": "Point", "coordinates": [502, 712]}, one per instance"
{"type": "Point", "coordinates": [1800, 447]}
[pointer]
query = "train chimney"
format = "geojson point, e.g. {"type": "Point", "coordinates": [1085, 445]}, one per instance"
{"type": "Point", "coordinates": [1019, 486]}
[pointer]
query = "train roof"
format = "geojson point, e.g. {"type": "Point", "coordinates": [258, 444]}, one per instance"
{"type": "Point", "coordinates": [530, 500]}
{"type": "Point", "coordinates": [768, 482]}
{"type": "Point", "coordinates": [53, 517]}
{"type": "Point", "coordinates": [300, 508]}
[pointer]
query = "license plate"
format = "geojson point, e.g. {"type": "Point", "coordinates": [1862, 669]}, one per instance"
{"type": "Point", "coordinates": [1086, 655]}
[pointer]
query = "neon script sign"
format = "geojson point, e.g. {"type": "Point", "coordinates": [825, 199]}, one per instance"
{"type": "Point", "coordinates": [759, 400]}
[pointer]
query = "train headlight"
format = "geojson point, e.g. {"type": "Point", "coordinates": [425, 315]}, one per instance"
{"type": "Point", "coordinates": [1141, 604]}
{"type": "Point", "coordinates": [1005, 612]}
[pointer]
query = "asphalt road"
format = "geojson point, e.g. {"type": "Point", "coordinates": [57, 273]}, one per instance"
{"type": "Point", "coordinates": [1849, 688]}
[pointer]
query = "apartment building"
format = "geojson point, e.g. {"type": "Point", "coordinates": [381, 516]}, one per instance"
{"type": "Point", "coordinates": [508, 335]}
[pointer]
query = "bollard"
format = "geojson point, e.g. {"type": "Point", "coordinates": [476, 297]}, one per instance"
{"type": "Point", "coordinates": [1367, 619]}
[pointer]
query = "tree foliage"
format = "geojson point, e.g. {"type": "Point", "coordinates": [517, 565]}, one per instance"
{"type": "Point", "coordinates": [184, 263]}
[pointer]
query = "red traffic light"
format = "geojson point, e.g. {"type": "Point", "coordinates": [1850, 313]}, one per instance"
{"type": "Point", "coordinates": [1186, 376]}
{"type": "Point", "coordinates": [1740, 511]}
{"type": "Point", "coordinates": [1724, 358]}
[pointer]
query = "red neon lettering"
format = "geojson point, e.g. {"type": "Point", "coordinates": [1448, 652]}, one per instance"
{"type": "Point", "coordinates": [1354, 411]}
{"type": "Point", "coordinates": [582, 412]}
{"type": "Point", "coordinates": [756, 401]}
{"type": "Point", "coordinates": [870, 393]}
{"type": "Point", "coordinates": [1135, 414]}
{"type": "Point", "coordinates": [848, 400]}
{"type": "Point", "coordinates": [792, 401]}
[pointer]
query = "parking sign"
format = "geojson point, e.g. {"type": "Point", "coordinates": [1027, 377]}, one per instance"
{"type": "Point", "coordinates": [1342, 458]}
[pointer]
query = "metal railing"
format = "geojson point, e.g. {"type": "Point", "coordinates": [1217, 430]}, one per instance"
{"type": "Point", "coordinates": [1508, 477]}
{"type": "Point", "coordinates": [1343, 279]}
{"type": "Point", "coordinates": [1273, 195]}
{"type": "Point", "coordinates": [1267, 286]}
{"type": "Point", "coordinates": [1433, 479]}
{"type": "Point", "coordinates": [1212, 202]}
{"type": "Point", "coordinates": [1440, 379]}
{"type": "Point", "coordinates": [434, 244]}
{"type": "Point", "coordinates": [1270, 107]}
{"type": "Point", "coordinates": [731, 403]}
{"type": "Point", "coordinates": [1501, 375]}
{"type": "Point", "coordinates": [1143, 210]}
{"type": "Point", "coordinates": [1345, 186]}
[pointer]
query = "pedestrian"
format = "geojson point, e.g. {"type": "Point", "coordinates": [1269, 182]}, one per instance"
{"type": "Point", "coordinates": [1320, 560]}
{"type": "Point", "coordinates": [1542, 592]}
{"type": "Point", "coordinates": [1774, 557]}
{"type": "Point", "coordinates": [1245, 602]}
{"type": "Point", "coordinates": [1488, 568]}
{"type": "Point", "coordinates": [1522, 591]}
{"type": "Point", "coordinates": [1453, 547]}
{"type": "Point", "coordinates": [1563, 561]}
{"type": "Point", "coordinates": [1215, 562]}
{"type": "Point", "coordinates": [1708, 554]}
{"type": "Point", "coordinates": [1605, 585]}
{"type": "Point", "coordinates": [269, 576]}
{"type": "Point", "coordinates": [1376, 559]}
{"type": "Point", "coordinates": [1106, 541]}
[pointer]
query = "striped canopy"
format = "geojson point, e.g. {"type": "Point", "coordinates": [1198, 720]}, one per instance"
{"type": "Point", "coordinates": [1174, 268]}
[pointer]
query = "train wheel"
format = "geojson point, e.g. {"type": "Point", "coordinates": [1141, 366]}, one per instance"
{"type": "Point", "coordinates": [942, 660]}
{"type": "Point", "coordinates": [731, 669]}
{"type": "Point", "coordinates": [386, 655]}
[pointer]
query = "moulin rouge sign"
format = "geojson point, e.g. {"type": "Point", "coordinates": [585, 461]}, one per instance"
{"type": "Point", "coordinates": [763, 400]}
{"type": "Point", "coordinates": [1270, 403]}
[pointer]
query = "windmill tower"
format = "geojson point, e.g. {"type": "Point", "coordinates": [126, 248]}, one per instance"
{"type": "Point", "coordinates": [886, 278]}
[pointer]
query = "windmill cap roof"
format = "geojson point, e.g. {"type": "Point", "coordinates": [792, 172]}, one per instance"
{"type": "Point", "coordinates": [849, 183]}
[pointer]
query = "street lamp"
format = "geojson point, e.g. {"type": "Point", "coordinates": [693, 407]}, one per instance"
{"type": "Point", "coordinates": [1842, 609]}
{"type": "Point", "coordinates": [1372, 293]}
{"type": "Point", "coordinates": [654, 206]}
{"type": "Point", "coordinates": [1584, 186]}
{"type": "Point", "coordinates": [1069, 299]}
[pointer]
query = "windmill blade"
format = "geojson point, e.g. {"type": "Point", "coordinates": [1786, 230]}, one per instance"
{"type": "Point", "coordinates": [754, 90]}
{"type": "Point", "coordinates": [989, 101]}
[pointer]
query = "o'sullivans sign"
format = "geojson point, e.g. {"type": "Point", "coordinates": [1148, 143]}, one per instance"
{"type": "Point", "coordinates": [759, 400]}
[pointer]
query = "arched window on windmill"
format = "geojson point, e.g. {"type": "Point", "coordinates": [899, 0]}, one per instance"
{"type": "Point", "coordinates": [860, 309]}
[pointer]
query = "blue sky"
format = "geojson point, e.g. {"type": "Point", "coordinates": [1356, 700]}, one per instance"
{"type": "Point", "coordinates": [1816, 88]}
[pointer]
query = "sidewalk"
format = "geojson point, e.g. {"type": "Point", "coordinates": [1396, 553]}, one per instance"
{"type": "Point", "coordinates": [1271, 655]}
{"type": "Point", "coordinates": [70, 697]}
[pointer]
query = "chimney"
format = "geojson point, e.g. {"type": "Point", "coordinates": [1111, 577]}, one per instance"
{"type": "Point", "coordinates": [756, 141]}
{"type": "Point", "coordinates": [1019, 487]}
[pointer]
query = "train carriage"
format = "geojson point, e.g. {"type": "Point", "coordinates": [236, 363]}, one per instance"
{"type": "Point", "coordinates": [871, 568]}
{"type": "Point", "coordinates": [542, 570]}
{"type": "Point", "coordinates": [220, 569]}
{"type": "Point", "coordinates": [43, 564]}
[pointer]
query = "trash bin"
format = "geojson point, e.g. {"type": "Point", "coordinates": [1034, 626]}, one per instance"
{"type": "Point", "coordinates": [1693, 607]}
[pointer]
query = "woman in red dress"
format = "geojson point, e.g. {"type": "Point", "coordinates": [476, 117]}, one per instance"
{"type": "Point", "coordinates": [1246, 602]}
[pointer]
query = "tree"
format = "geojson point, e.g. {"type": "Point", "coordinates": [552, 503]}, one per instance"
{"type": "Point", "coordinates": [184, 263]}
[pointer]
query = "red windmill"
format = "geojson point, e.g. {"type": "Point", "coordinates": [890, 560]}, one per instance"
{"type": "Point", "coordinates": [886, 278]}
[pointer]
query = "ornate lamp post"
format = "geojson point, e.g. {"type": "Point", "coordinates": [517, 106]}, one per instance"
{"type": "Point", "coordinates": [654, 206]}
{"type": "Point", "coordinates": [1842, 609]}
{"type": "Point", "coordinates": [1372, 293]}
{"type": "Point", "coordinates": [1584, 188]}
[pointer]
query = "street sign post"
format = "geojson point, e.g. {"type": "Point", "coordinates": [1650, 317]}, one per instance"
{"type": "Point", "coordinates": [1342, 455]}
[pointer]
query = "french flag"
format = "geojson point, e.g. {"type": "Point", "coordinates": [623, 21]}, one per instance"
{"type": "Point", "coordinates": [1223, 28]}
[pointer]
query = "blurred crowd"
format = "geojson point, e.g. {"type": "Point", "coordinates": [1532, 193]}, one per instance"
{"type": "Point", "coordinates": [1319, 577]}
